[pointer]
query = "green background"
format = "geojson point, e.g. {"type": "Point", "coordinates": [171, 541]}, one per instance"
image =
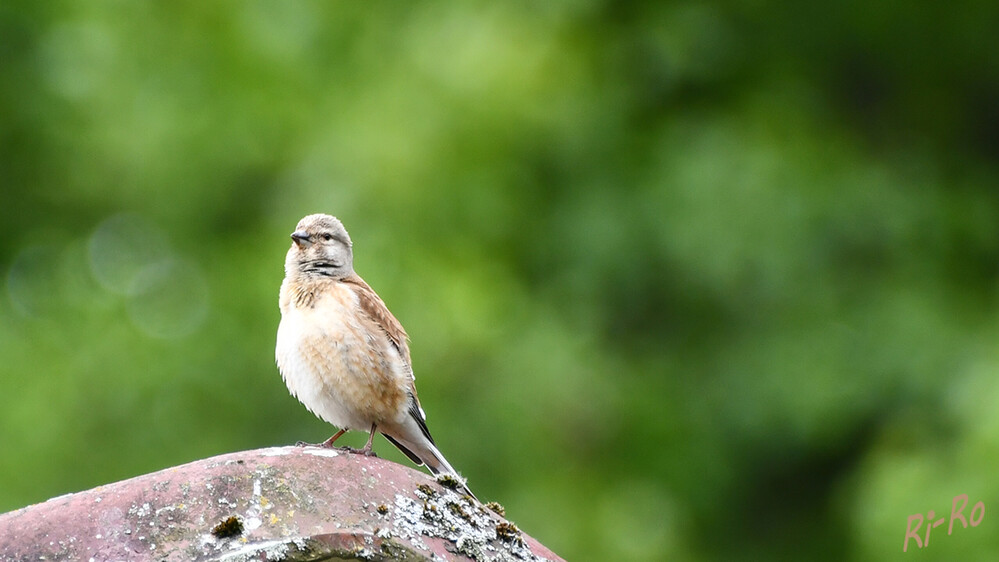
{"type": "Point", "coordinates": [687, 281]}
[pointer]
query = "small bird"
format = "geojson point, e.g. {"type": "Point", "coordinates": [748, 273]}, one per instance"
{"type": "Point", "coordinates": [342, 353]}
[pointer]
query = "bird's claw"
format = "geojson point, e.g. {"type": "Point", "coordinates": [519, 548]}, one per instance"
{"type": "Point", "coordinates": [365, 452]}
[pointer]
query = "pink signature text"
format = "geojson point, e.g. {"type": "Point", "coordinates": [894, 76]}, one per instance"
{"type": "Point", "coordinates": [956, 514]}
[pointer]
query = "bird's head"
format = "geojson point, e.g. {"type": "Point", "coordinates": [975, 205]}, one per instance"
{"type": "Point", "coordinates": [320, 247]}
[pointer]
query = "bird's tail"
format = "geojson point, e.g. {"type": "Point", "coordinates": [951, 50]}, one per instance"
{"type": "Point", "coordinates": [427, 453]}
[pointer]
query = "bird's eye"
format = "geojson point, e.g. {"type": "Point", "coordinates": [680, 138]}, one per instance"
{"type": "Point", "coordinates": [327, 237]}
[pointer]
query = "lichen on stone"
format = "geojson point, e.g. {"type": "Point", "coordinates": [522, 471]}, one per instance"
{"type": "Point", "coordinates": [466, 524]}
{"type": "Point", "coordinates": [228, 528]}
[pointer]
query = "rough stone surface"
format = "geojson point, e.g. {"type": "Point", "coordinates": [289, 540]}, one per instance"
{"type": "Point", "coordinates": [286, 503]}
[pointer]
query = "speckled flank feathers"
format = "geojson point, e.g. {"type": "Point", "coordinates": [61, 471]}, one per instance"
{"type": "Point", "coordinates": [341, 352]}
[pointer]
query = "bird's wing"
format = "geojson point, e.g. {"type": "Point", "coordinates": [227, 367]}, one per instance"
{"type": "Point", "coordinates": [374, 307]}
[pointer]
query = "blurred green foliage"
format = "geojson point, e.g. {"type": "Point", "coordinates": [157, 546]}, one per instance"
{"type": "Point", "coordinates": [684, 280]}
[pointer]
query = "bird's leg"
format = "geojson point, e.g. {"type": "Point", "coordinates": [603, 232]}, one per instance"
{"type": "Point", "coordinates": [367, 446]}
{"type": "Point", "coordinates": [328, 444]}
{"type": "Point", "coordinates": [366, 450]}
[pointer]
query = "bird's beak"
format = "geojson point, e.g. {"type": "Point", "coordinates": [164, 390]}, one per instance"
{"type": "Point", "coordinates": [301, 238]}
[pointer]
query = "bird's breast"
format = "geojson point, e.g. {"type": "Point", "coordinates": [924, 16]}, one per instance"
{"type": "Point", "coordinates": [337, 362]}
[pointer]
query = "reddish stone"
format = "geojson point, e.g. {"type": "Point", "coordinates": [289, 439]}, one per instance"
{"type": "Point", "coordinates": [287, 503]}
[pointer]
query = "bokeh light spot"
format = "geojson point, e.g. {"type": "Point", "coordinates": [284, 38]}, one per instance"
{"type": "Point", "coordinates": [168, 299]}
{"type": "Point", "coordinates": [122, 247]}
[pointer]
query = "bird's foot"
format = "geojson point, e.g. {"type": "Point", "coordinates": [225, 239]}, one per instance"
{"type": "Point", "coordinates": [365, 451]}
